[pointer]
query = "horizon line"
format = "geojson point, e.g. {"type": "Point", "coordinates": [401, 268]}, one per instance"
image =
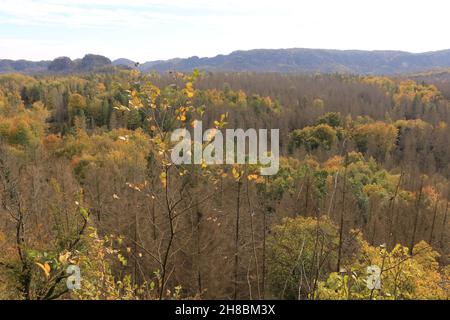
{"type": "Point", "coordinates": [234, 51]}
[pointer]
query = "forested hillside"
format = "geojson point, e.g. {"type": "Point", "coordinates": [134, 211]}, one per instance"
{"type": "Point", "coordinates": [309, 60]}
{"type": "Point", "coordinates": [86, 179]}
{"type": "Point", "coordinates": [257, 60]}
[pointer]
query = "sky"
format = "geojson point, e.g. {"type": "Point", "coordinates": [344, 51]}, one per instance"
{"type": "Point", "coordinates": [144, 30]}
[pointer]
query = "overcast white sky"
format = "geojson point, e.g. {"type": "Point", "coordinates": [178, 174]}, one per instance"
{"type": "Point", "coordinates": [144, 30]}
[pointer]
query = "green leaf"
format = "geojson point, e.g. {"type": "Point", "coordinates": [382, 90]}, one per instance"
{"type": "Point", "coordinates": [84, 213]}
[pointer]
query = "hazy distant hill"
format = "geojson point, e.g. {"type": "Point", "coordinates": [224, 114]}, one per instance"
{"type": "Point", "coordinates": [90, 62]}
{"type": "Point", "coordinates": [312, 60]}
{"type": "Point", "coordinates": [24, 66]}
{"type": "Point", "coordinates": [259, 60]}
{"type": "Point", "coordinates": [124, 62]}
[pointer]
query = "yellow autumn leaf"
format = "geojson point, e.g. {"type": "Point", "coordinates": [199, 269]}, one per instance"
{"type": "Point", "coordinates": [259, 180]}
{"type": "Point", "coordinates": [189, 90]}
{"type": "Point", "coordinates": [45, 267]}
{"type": "Point", "coordinates": [236, 174]}
{"type": "Point", "coordinates": [64, 256]}
{"type": "Point", "coordinates": [163, 178]}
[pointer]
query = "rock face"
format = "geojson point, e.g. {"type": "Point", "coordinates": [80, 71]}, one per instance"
{"type": "Point", "coordinates": [92, 61]}
{"type": "Point", "coordinates": [61, 64]}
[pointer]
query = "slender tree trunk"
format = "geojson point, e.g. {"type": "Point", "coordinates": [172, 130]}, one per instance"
{"type": "Point", "coordinates": [263, 284]}
{"type": "Point", "coordinates": [314, 273]}
{"type": "Point", "coordinates": [252, 230]}
{"type": "Point", "coordinates": [341, 222]}
{"type": "Point", "coordinates": [374, 224]}
{"type": "Point", "coordinates": [435, 210]}
{"type": "Point", "coordinates": [236, 239]}
{"type": "Point", "coordinates": [444, 223]}
{"type": "Point", "coordinates": [97, 191]}
{"type": "Point", "coordinates": [199, 273]}
{"type": "Point", "coordinates": [332, 196]}
{"type": "Point", "coordinates": [392, 212]}
{"type": "Point", "coordinates": [307, 195]}
{"type": "Point", "coordinates": [416, 217]}
{"type": "Point", "coordinates": [153, 218]}
{"type": "Point", "coordinates": [152, 205]}
{"type": "Point", "coordinates": [171, 238]}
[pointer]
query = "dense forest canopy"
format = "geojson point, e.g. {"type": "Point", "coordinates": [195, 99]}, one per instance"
{"type": "Point", "coordinates": [85, 179]}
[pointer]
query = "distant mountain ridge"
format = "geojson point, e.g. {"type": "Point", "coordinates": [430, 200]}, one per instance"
{"type": "Point", "coordinates": [258, 60]}
{"type": "Point", "coordinates": [89, 62]}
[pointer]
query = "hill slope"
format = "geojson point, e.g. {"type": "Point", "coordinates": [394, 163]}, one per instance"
{"type": "Point", "coordinates": [258, 60]}
{"type": "Point", "coordinates": [311, 60]}
{"type": "Point", "coordinates": [89, 62]}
